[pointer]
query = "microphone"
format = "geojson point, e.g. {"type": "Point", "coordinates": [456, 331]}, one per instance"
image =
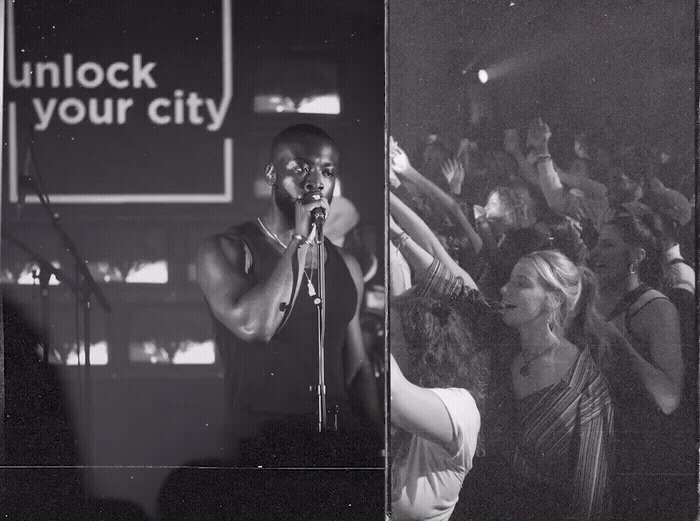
{"type": "Point", "coordinates": [319, 215]}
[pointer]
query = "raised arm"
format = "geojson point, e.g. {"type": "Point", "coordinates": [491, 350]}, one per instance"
{"type": "Point", "coordinates": [420, 241]}
{"type": "Point", "coordinates": [417, 258]}
{"type": "Point", "coordinates": [591, 188]}
{"type": "Point", "coordinates": [550, 181]}
{"type": "Point", "coordinates": [453, 170]}
{"type": "Point", "coordinates": [402, 167]}
{"type": "Point", "coordinates": [538, 138]}
{"type": "Point", "coordinates": [511, 144]}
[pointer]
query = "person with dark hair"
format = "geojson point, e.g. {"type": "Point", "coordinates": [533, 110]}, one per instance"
{"type": "Point", "coordinates": [438, 381]}
{"type": "Point", "coordinates": [670, 212]}
{"type": "Point", "coordinates": [260, 282]}
{"type": "Point", "coordinates": [647, 375]}
{"type": "Point", "coordinates": [666, 212]}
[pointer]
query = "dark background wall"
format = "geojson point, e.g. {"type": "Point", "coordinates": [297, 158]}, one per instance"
{"type": "Point", "coordinates": [149, 418]}
{"type": "Point", "coordinates": [579, 64]}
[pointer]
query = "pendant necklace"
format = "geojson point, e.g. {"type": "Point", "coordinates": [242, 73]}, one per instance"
{"type": "Point", "coordinates": [525, 369]}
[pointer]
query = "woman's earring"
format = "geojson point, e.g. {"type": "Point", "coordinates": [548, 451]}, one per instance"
{"type": "Point", "coordinates": [633, 268]}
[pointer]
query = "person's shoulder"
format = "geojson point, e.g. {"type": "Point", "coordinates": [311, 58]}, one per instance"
{"type": "Point", "coordinates": [588, 366]}
{"type": "Point", "coordinates": [682, 295]}
{"type": "Point", "coordinates": [680, 272]}
{"type": "Point", "coordinates": [652, 310]}
{"type": "Point", "coordinates": [226, 249]}
{"type": "Point", "coordinates": [457, 399]}
{"type": "Point", "coordinates": [589, 381]}
{"type": "Point", "coordinates": [219, 244]}
{"type": "Point", "coordinates": [651, 299]}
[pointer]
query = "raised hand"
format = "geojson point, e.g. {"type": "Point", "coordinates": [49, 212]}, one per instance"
{"type": "Point", "coordinates": [538, 136]}
{"type": "Point", "coordinates": [449, 169]}
{"type": "Point", "coordinates": [453, 170]}
{"type": "Point", "coordinates": [398, 160]}
{"type": "Point", "coordinates": [394, 180]}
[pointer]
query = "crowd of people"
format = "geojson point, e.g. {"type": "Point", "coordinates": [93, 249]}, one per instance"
{"type": "Point", "coordinates": [544, 363]}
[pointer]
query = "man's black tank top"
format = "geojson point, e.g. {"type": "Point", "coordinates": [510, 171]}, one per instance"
{"type": "Point", "coordinates": [275, 377]}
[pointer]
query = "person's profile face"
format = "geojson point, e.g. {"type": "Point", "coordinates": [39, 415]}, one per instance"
{"type": "Point", "coordinates": [496, 207]}
{"type": "Point", "coordinates": [524, 296]}
{"type": "Point", "coordinates": [498, 212]}
{"type": "Point", "coordinates": [304, 166]}
{"type": "Point", "coordinates": [610, 258]}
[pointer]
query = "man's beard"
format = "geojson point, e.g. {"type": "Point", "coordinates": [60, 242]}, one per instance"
{"type": "Point", "coordinates": [286, 204]}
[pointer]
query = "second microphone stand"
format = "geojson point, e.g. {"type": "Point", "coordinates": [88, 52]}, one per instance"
{"type": "Point", "coordinates": [46, 269]}
{"type": "Point", "coordinates": [85, 288]}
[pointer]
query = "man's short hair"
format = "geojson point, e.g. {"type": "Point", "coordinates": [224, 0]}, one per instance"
{"type": "Point", "coordinates": [297, 134]}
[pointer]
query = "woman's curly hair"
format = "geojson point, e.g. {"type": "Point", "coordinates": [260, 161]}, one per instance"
{"type": "Point", "coordinates": [521, 206]}
{"type": "Point", "coordinates": [442, 351]}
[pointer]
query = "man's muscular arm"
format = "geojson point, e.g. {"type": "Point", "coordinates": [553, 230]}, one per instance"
{"type": "Point", "coordinates": [253, 312]}
{"type": "Point", "coordinates": [250, 311]}
{"type": "Point", "coordinates": [359, 375]}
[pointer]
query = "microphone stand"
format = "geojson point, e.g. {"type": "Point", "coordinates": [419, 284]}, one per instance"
{"type": "Point", "coordinates": [46, 269]}
{"type": "Point", "coordinates": [319, 300]}
{"type": "Point", "coordinates": [86, 287]}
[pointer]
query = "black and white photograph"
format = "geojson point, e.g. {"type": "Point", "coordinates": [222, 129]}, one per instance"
{"type": "Point", "coordinates": [413, 261]}
{"type": "Point", "coordinates": [544, 354]}
{"type": "Point", "coordinates": [193, 235]}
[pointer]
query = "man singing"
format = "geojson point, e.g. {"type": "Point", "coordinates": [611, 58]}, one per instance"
{"type": "Point", "coordinates": [260, 281]}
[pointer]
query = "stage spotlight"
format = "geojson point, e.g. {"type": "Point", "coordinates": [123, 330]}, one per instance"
{"type": "Point", "coordinates": [483, 76]}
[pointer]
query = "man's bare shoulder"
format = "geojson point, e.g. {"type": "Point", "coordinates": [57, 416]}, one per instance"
{"type": "Point", "coordinates": [221, 253]}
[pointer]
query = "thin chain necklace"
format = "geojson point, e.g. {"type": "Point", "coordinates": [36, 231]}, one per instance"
{"type": "Point", "coordinates": [272, 235]}
{"type": "Point", "coordinates": [525, 369]}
